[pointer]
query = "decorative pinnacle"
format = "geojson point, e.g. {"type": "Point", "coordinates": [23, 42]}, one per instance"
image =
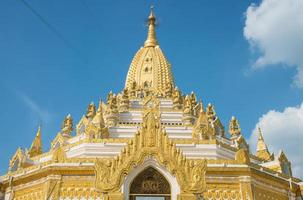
{"type": "Point", "coordinates": [151, 40]}
{"type": "Point", "coordinates": [261, 143]}
{"type": "Point", "coordinates": [234, 127]}
{"type": "Point", "coordinates": [262, 150]}
{"type": "Point", "coordinates": [38, 134]}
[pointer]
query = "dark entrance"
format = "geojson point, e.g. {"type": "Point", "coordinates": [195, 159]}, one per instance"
{"type": "Point", "coordinates": [149, 185]}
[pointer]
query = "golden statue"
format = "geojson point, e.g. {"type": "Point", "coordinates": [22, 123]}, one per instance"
{"type": "Point", "coordinates": [111, 112]}
{"type": "Point", "coordinates": [187, 106]}
{"type": "Point", "coordinates": [177, 99]}
{"type": "Point", "coordinates": [168, 90]}
{"type": "Point", "coordinates": [151, 125]}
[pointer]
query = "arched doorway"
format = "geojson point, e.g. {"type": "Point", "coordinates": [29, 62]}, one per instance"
{"type": "Point", "coordinates": [150, 185]}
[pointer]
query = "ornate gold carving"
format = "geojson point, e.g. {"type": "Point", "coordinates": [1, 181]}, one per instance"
{"type": "Point", "coordinates": [95, 132]}
{"type": "Point", "coordinates": [241, 143]}
{"type": "Point", "coordinates": [59, 155]}
{"type": "Point", "coordinates": [242, 156]}
{"type": "Point", "coordinates": [133, 89]}
{"type": "Point", "coordinates": [210, 112]}
{"type": "Point", "coordinates": [17, 160]}
{"type": "Point", "coordinates": [29, 193]}
{"type": "Point", "coordinates": [202, 128]}
{"type": "Point", "coordinates": [193, 99]}
{"type": "Point", "coordinates": [67, 126]}
{"type": "Point", "coordinates": [96, 129]}
{"type": "Point", "coordinates": [91, 111]}
{"type": "Point", "coordinates": [187, 106]}
{"type": "Point", "coordinates": [223, 194]}
{"type": "Point", "coordinates": [59, 140]}
{"type": "Point", "coordinates": [150, 181]}
{"type": "Point", "coordinates": [168, 90]}
{"type": "Point", "coordinates": [263, 194]}
{"type": "Point", "coordinates": [151, 141]}
{"type": "Point", "coordinates": [86, 119]}
{"type": "Point", "coordinates": [234, 127]}
{"type": "Point", "coordinates": [111, 113]}
{"type": "Point", "coordinates": [124, 101]}
{"type": "Point", "coordinates": [78, 187]}
{"type": "Point", "coordinates": [188, 111]}
{"type": "Point", "coordinates": [177, 99]}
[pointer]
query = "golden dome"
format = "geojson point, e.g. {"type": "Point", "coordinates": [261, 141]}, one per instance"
{"type": "Point", "coordinates": [149, 69]}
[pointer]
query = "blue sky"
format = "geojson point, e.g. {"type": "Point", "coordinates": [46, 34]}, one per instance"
{"type": "Point", "coordinates": [44, 77]}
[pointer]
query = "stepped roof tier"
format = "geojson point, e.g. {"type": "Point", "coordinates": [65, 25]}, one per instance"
{"type": "Point", "coordinates": [149, 125]}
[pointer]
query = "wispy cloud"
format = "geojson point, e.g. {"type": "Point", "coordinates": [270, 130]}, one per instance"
{"type": "Point", "coordinates": [43, 116]}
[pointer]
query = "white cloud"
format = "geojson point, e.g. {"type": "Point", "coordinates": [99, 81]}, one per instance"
{"type": "Point", "coordinates": [283, 130]}
{"type": "Point", "coordinates": [275, 28]}
{"type": "Point", "coordinates": [42, 115]}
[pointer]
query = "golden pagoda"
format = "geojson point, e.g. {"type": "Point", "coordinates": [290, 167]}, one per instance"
{"type": "Point", "coordinates": [149, 142]}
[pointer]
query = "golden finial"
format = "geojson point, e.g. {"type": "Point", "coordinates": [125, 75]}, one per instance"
{"type": "Point", "coordinates": [38, 134]}
{"type": "Point", "coordinates": [36, 147]}
{"type": "Point", "coordinates": [151, 40]}
{"type": "Point", "coordinates": [262, 150]}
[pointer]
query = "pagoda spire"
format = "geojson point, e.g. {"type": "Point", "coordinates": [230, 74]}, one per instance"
{"type": "Point", "coordinates": [151, 40]}
{"type": "Point", "coordinates": [262, 150]}
{"type": "Point", "coordinates": [150, 72]}
{"type": "Point", "coordinates": [36, 147]}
